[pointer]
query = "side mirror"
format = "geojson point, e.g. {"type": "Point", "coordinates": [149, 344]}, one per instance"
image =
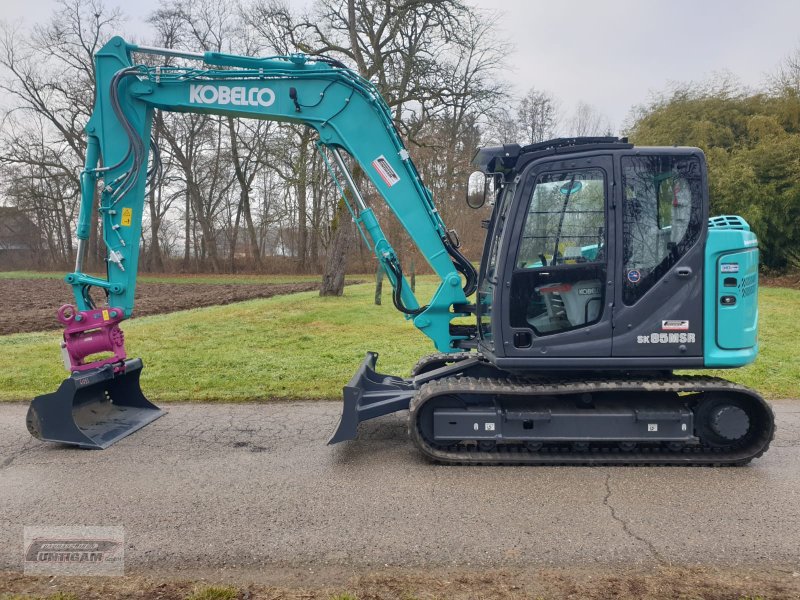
{"type": "Point", "coordinates": [478, 187]}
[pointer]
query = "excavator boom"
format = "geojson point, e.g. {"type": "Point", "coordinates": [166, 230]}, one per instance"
{"type": "Point", "coordinates": [350, 117]}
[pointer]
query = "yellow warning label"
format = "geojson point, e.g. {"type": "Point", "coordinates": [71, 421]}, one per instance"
{"type": "Point", "coordinates": [127, 215]}
{"type": "Point", "coordinates": [105, 315]}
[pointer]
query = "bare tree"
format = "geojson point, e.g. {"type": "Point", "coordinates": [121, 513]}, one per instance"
{"type": "Point", "coordinates": [787, 75]}
{"type": "Point", "coordinates": [430, 59]}
{"type": "Point", "coordinates": [255, 185]}
{"type": "Point", "coordinates": [50, 84]}
{"type": "Point", "coordinates": [537, 116]}
{"type": "Point", "coordinates": [588, 121]}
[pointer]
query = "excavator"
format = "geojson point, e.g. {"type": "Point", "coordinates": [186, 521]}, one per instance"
{"type": "Point", "coordinates": [602, 274]}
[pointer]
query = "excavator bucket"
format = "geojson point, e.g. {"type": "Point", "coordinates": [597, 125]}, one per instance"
{"type": "Point", "coordinates": [93, 408]}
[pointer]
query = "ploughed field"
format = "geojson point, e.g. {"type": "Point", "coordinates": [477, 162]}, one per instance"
{"type": "Point", "coordinates": [31, 304]}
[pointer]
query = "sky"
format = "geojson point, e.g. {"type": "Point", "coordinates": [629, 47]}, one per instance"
{"type": "Point", "coordinates": [611, 54]}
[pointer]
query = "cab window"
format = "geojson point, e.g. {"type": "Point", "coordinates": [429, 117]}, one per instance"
{"type": "Point", "coordinates": [561, 261]}
{"type": "Point", "coordinates": [662, 215]}
{"type": "Point", "coordinates": [565, 223]}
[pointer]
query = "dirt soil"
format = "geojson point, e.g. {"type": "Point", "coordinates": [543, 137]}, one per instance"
{"type": "Point", "coordinates": [788, 280]}
{"type": "Point", "coordinates": [31, 304]}
{"type": "Point", "coordinates": [687, 583]}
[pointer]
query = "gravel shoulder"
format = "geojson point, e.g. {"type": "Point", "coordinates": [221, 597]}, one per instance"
{"type": "Point", "coordinates": [621, 583]}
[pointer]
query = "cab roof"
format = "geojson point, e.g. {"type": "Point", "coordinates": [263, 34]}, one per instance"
{"type": "Point", "coordinates": [503, 159]}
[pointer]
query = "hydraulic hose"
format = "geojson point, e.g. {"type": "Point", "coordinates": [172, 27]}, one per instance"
{"type": "Point", "coordinates": [397, 298]}
{"type": "Point", "coordinates": [464, 267]}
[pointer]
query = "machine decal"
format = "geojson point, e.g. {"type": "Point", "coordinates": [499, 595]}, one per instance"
{"type": "Point", "coordinates": [591, 291]}
{"type": "Point", "coordinates": [127, 216]}
{"type": "Point", "coordinates": [634, 276]}
{"type": "Point", "coordinates": [236, 95]}
{"type": "Point", "coordinates": [674, 325]}
{"type": "Point", "coordinates": [729, 268]}
{"type": "Point", "coordinates": [667, 338]}
{"type": "Point", "coordinates": [385, 170]}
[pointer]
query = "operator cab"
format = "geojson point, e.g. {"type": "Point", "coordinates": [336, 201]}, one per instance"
{"type": "Point", "coordinates": [593, 247]}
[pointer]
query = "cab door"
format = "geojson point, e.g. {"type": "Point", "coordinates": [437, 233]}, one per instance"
{"type": "Point", "coordinates": [663, 219]}
{"type": "Point", "coordinates": [557, 292]}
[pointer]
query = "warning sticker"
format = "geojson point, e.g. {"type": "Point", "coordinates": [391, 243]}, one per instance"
{"type": "Point", "coordinates": [675, 325]}
{"type": "Point", "coordinates": [729, 268]}
{"type": "Point", "coordinates": [385, 170]}
{"type": "Point", "coordinates": [127, 215]}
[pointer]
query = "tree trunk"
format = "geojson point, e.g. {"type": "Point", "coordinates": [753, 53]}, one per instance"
{"type": "Point", "coordinates": [208, 242]}
{"type": "Point", "coordinates": [187, 244]}
{"type": "Point", "coordinates": [316, 218]}
{"type": "Point", "coordinates": [156, 261]}
{"type": "Point", "coordinates": [67, 236]}
{"type": "Point", "coordinates": [235, 235]}
{"type": "Point", "coordinates": [302, 190]}
{"type": "Point", "coordinates": [251, 230]}
{"type": "Point", "coordinates": [336, 263]}
{"type": "Point", "coordinates": [245, 182]}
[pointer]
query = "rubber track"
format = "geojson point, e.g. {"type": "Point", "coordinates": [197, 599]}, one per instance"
{"type": "Point", "coordinates": [442, 357]}
{"type": "Point", "coordinates": [517, 454]}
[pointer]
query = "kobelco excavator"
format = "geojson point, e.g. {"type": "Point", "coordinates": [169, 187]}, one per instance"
{"type": "Point", "coordinates": [602, 273]}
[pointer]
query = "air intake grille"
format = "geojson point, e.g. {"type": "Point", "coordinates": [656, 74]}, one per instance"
{"type": "Point", "coordinates": [728, 222]}
{"type": "Point", "coordinates": [748, 285]}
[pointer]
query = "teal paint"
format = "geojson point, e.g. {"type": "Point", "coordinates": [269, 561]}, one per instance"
{"type": "Point", "coordinates": [347, 112]}
{"type": "Point", "coordinates": [730, 330]}
{"type": "Point", "coordinates": [737, 278]}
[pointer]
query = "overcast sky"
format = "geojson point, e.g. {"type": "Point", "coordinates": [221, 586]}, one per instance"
{"type": "Point", "coordinates": [611, 54]}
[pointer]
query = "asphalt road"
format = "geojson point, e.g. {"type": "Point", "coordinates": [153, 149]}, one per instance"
{"type": "Point", "coordinates": [224, 486]}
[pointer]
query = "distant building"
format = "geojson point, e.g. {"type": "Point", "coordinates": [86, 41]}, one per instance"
{"type": "Point", "coordinates": [20, 239]}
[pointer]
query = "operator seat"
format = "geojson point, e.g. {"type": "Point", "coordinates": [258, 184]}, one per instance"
{"type": "Point", "coordinates": [579, 302]}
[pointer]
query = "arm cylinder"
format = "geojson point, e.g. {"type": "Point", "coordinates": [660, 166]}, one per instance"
{"type": "Point", "coordinates": [88, 189]}
{"type": "Point", "coordinates": [87, 201]}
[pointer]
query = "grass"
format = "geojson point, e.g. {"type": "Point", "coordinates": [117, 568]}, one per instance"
{"type": "Point", "coordinates": [776, 371]}
{"type": "Point", "coordinates": [287, 347]}
{"type": "Point", "coordinates": [304, 346]}
{"type": "Point", "coordinates": [214, 592]}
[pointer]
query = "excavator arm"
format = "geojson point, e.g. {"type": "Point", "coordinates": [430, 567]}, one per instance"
{"type": "Point", "coordinates": [101, 401]}
{"type": "Point", "coordinates": [345, 110]}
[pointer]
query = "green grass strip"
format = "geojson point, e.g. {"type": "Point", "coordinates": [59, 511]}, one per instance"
{"type": "Point", "coordinates": [304, 346]}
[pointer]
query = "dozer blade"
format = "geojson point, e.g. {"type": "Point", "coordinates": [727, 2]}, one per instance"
{"type": "Point", "coordinates": [368, 395]}
{"type": "Point", "coordinates": [94, 408]}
